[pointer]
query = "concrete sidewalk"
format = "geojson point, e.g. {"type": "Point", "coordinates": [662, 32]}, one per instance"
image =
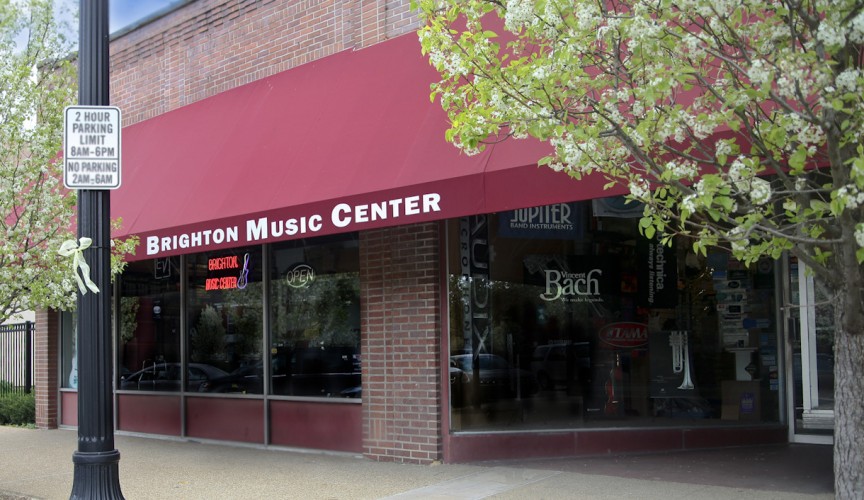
{"type": "Point", "coordinates": [38, 464]}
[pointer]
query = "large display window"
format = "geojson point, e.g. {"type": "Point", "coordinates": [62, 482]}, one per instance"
{"type": "Point", "coordinates": [225, 321]}
{"type": "Point", "coordinates": [564, 316]}
{"type": "Point", "coordinates": [148, 326]}
{"type": "Point", "coordinates": [315, 317]}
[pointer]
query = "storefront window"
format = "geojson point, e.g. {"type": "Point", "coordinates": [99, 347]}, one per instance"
{"type": "Point", "coordinates": [148, 326]}
{"type": "Point", "coordinates": [564, 316]}
{"type": "Point", "coordinates": [69, 350]}
{"type": "Point", "coordinates": [225, 321]}
{"type": "Point", "coordinates": [315, 317]}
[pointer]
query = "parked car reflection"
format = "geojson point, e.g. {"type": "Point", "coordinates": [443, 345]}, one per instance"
{"type": "Point", "coordinates": [246, 379]}
{"type": "Point", "coordinates": [459, 387]}
{"type": "Point", "coordinates": [331, 372]}
{"type": "Point", "coordinates": [497, 378]}
{"type": "Point", "coordinates": [166, 377]}
{"type": "Point", "coordinates": [313, 371]}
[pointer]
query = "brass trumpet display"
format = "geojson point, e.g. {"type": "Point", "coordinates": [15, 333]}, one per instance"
{"type": "Point", "coordinates": [681, 358]}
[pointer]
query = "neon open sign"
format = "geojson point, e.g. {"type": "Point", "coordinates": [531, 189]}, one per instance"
{"type": "Point", "coordinates": [300, 276]}
{"type": "Point", "coordinates": [229, 263]}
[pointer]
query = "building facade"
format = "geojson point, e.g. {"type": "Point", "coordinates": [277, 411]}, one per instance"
{"type": "Point", "coordinates": [319, 269]}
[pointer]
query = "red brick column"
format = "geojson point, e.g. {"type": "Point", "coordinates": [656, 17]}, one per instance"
{"type": "Point", "coordinates": [401, 335]}
{"type": "Point", "coordinates": [373, 15]}
{"type": "Point", "coordinates": [46, 364]}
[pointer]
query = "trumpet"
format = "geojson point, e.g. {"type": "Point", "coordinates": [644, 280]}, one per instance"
{"type": "Point", "coordinates": [681, 358]}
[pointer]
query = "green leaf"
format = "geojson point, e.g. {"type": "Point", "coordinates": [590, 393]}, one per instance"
{"type": "Point", "coordinates": [797, 159]}
{"type": "Point", "coordinates": [714, 214]}
{"type": "Point", "coordinates": [819, 206]}
{"type": "Point", "coordinates": [725, 202]}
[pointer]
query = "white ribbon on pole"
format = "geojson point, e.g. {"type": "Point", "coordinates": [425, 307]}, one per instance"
{"type": "Point", "coordinates": [75, 249]}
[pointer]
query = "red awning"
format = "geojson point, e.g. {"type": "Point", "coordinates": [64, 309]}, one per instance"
{"type": "Point", "coordinates": [346, 143]}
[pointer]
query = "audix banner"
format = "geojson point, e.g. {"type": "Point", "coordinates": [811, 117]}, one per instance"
{"type": "Point", "coordinates": [477, 296]}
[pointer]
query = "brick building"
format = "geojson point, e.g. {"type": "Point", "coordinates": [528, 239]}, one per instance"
{"type": "Point", "coordinates": [319, 269]}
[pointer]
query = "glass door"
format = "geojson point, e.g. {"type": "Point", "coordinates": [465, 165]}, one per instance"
{"type": "Point", "coordinates": [811, 342]}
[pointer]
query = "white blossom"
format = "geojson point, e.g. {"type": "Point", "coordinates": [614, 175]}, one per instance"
{"type": "Point", "coordinates": [639, 189]}
{"type": "Point", "coordinates": [859, 235]}
{"type": "Point", "coordinates": [848, 79]}
{"type": "Point", "coordinates": [759, 73]}
{"type": "Point", "coordinates": [760, 191]}
{"type": "Point", "coordinates": [722, 147]}
{"type": "Point", "coordinates": [682, 169]}
{"type": "Point", "coordinates": [807, 133]}
{"type": "Point", "coordinates": [540, 73]}
{"type": "Point", "coordinates": [851, 196]}
{"type": "Point", "coordinates": [518, 14]}
{"type": "Point", "coordinates": [739, 173]}
{"type": "Point", "coordinates": [586, 15]}
{"type": "Point", "coordinates": [830, 34]}
{"type": "Point", "coordinates": [689, 203]}
{"type": "Point", "coordinates": [736, 238]}
{"type": "Point", "coordinates": [856, 28]}
{"type": "Point", "coordinates": [693, 45]}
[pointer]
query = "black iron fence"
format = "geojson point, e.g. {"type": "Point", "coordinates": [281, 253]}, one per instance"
{"type": "Point", "coordinates": [16, 357]}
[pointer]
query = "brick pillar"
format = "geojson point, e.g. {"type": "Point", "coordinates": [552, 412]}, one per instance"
{"type": "Point", "coordinates": [400, 344]}
{"type": "Point", "coordinates": [46, 364]}
{"type": "Point", "coordinates": [373, 16]}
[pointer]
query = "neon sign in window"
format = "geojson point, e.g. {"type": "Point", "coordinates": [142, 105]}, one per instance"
{"type": "Point", "coordinates": [229, 263]}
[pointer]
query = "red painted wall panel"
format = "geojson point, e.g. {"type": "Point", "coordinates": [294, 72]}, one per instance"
{"type": "Point", "coordinates": [149, 413]}
{"type": "Point", "coordinates": [228, 419]}
{"type": "Point", "coordinates": [69, 409]}
{"type": "Point", "coordinates": [715, 438]}
{"type": "Point", "coordinates": [476, 447]}
{"type": "Point", "coordinates": [628, 441]}
{"type": "Point", "coordinates": [323, 426]}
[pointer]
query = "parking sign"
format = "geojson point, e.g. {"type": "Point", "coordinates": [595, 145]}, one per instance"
{"type": "Point", "coordinates": [91, 147]}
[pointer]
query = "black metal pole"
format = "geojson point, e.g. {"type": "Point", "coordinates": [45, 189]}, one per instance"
{"type": "Point", "coordinates": [28, 361]}
{"type": "Point", "coordinates": [96, 461]}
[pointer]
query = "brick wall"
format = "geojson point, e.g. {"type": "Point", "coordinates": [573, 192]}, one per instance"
{"type": "Point", "coordinates": [400, 345]}
{"type": "Point", "coordinates": [209, 46]}
{"type": "Point", "coordinates": [46, 366]}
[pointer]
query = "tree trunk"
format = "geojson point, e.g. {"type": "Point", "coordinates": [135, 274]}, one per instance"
{"type": "Point", "coordinates": [849, 397]}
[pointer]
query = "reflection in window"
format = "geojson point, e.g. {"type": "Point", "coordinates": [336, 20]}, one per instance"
{"type": "Point", "coordinates": [225, 323]}
{"type": "Point", "coordinates": [69, 363]}
{"type": "Point", "coordinates": [148, 325]}
{"type": "Point", "coordinates": [564, 316]}
{"type": "Point", "coordinates": [315, 317]}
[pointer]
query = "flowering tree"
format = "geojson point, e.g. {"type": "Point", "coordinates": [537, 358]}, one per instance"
{"type": "Point", "coordinates": [738, 123]}
{"type": "Point", "coordinates": [37, 81]}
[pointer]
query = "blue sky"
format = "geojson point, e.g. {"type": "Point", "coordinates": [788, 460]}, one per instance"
{"type": "Point", "coordinates": [122, 13]}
